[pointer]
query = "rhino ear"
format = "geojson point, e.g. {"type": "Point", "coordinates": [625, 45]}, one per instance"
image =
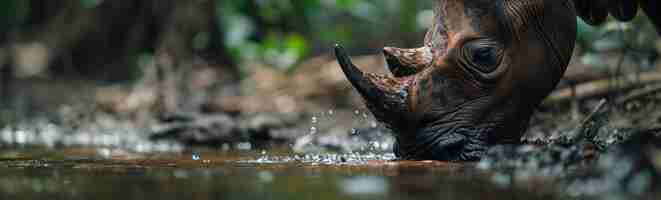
{"type": "Point", "coordinates": [593, 12]}
{"type": "Point", "coordinates": [624, 10]}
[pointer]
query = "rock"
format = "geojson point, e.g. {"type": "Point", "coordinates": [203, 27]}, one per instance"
{"type": "Point", "coordinates": [212, 129]}
{"type": "Point", "coordinates": [202, 129]}
{"type": "Point", "coordinates": [267, 126]}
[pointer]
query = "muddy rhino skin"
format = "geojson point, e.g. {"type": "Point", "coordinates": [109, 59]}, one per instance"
{"type": "Point", "coordinates": [484, 66]}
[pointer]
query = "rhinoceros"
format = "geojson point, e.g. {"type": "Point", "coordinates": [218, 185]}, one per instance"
{"type": "Point", "coordinates": [483, 68]}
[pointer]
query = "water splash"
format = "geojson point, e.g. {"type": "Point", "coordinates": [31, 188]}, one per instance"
{"type": "Point", "coordinates": [354, 131]}
{"type": "Point", "coordinates": [373, 123]}
{"type": "Point", "coordinates": [354, 158]}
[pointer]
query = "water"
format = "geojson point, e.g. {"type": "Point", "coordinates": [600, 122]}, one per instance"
{"type": "Point", "coordinates": [105, 133]}
{"type": "Point", "coordinates": [116, 160]}
{"type": "Point", "coordinates": [83, 174]}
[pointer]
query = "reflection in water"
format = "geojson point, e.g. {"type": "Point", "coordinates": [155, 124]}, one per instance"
{"type": "Point", "coordinates": [79, 174]}
{"type": "Point", "coordinates": [364, 185]}
{"type": "Point", "coordinates": [107, 133]}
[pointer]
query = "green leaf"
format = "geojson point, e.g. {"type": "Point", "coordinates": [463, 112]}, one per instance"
{"type": "Point", "coordinates": [297, 44]}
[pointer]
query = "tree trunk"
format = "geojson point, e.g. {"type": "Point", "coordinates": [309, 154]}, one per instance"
{"type": "Point", "coordinates": [103, 42]}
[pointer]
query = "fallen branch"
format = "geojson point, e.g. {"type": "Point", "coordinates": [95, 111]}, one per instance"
{"type": "Point", "coordinates": [592, 114]}
{"type": "Point", "coordinates": [585, 135]}
{"type": "Point", "coordinates": [601, 87]}
{"type": "Point", "coordinates": [639, 93]}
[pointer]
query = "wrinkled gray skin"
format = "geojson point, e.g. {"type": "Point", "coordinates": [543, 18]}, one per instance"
{"type": "Point", "coordinates": [484, 67]}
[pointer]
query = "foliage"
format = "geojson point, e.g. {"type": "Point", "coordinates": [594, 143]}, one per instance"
{"type": "Point", "coordinates": [12, 13]}
{"type": "Point", "coordinates": [283, 32]}
{"type": "Point", "coordinates": [635, 40]}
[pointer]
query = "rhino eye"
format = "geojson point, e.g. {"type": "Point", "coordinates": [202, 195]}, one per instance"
{"type": "Point", "coordinates": [483, 56]}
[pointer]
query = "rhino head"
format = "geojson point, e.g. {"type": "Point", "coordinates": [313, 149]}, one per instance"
{"type": "Point", "coordinates": [483, 68]}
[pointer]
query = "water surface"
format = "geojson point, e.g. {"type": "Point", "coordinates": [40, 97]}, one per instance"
{"type": "Point", "coordinates": [97, 174]}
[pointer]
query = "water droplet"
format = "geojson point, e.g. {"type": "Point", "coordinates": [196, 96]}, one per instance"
{"type": "Point", "coordinates": [263, 152]}
{"type": "Point", "coordinates": [356, 112]}
{"type": "Point", "coordinates": [196, 156]}
{"type": "Point", "coordinates": [313, 130]}
{"type": "Point", "coordinates": [314, 119]}
{"type": "Point", "coordinates": [373, 124]}
{"type": "Point", "coordinates": [331, 112]}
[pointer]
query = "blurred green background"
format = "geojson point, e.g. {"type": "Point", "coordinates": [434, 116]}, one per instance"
{"type": "Point", "coordinates": [281, 33]}
{"type": "Point", "coordinates": [114, 42]}
{"type": "Point", "coordinates": [118, 34]}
